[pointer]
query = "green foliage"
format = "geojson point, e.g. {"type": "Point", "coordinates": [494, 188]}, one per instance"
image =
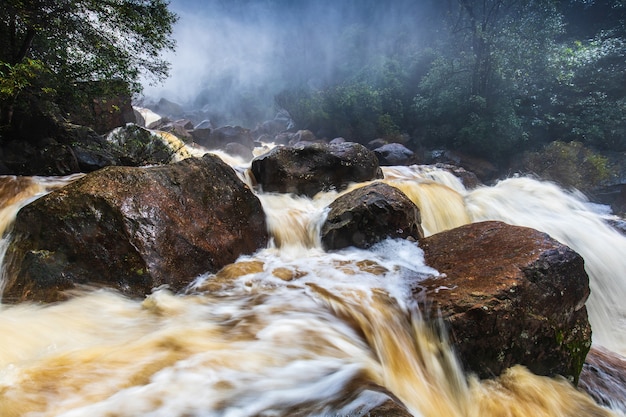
{"type": "Point", "coordinates": [374, 102]}
{"type": "Point", "coordinates": [570, 164]}
{"type": "Point", "coordinates": [501, 77]}
{"type": "Point", "coordinates": [588, 103]}
{"type": "Point", "coordinates": [81, 40]}
{"type": "Point", "coordinates": [14, 78]}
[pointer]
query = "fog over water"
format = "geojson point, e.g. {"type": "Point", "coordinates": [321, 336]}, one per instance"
{"type": "Point", "coordinates": [233, 57]}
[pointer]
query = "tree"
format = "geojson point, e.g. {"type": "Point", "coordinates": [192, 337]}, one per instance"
{"type": "Point", "coordinates": [588, 101]}
{"type": "Point", "coordinates": [490, 68]}
{"type": "Point", "coordinates": [80, 40]}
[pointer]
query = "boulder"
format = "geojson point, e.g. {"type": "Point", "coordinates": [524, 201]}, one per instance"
{"type": "Point", "coordinates": [101, 105]}
{"type": "Point", "coordinates": [509, 295]}
{"type": "Point", "coordinates": [71, 149]}
{"type": "Point", "coordinates": [133, 229]}
{"type": "Point", "coordinates": [303, 136]}
{"type": "Point", "coordinates": [135, 146]}
{"type": "Point", "coordinates": [167, 108]}
{"type": "Point", "coordinates": [393, 154]}
{"type": "Point", "coordinates": [468, 179]}
{"type": "Point", "coordinates": [308, 168]}
{"type": "Point", "coordinates": [368, 215]}
{"type": "Point", "coordinates": [181, 128]}
{"type": "Point", "coordinates": [604, 378]}
{"type": "Point", "coordinates": [482, 168]}
{"type": "Point", "coordinates": [218, 138]}
{"type": "Point", "coordinates": [239, 150]}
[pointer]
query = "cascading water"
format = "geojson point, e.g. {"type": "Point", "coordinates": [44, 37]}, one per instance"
{"type": "Point", "coordinates": [289, 331]}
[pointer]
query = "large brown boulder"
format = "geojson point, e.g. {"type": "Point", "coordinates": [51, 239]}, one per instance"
{"type": "Point", "coordinates": [308, 168]}
{"type": "Point", "coordinates": [509, 295]}
{"type": "Point", "coordinates": [369, 214]}
{"type": "Point", "coordinates": [133, 229]}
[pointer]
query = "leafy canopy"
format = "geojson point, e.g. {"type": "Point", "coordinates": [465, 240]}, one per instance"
{"type": "Point", "coordinates": [83, 40]}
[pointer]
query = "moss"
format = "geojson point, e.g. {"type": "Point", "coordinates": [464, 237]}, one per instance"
{"type": "Point", "coordinates": [577, 349]}
{"type": "Point", "coordinates": [572, 165]}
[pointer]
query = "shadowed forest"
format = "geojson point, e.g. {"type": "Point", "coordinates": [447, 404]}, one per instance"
{"type": "Point", "coordinates": [490, 78]}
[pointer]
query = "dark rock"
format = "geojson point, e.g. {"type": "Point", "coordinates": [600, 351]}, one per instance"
{"type": "Point", "coordinates": [368, 215]}
{"type": "Point", "coordinates": [136, 146]}
{"type": "Point", "coordinates": [133, 229]}
{"type": "Point", "coordinates": [302, 136]}
{"type": "Point", "coordinates": [389, 408]}
{"type": "Point", "coordinates": [73, 149]}
{"type": "Point", "coordinates": [482, 168]}
{"type": "Point", "coordinates": [237, 149]}
{"type": "Point", "coordinates": [180, 128]}
{"type": "Point", "coordinates": [376, 143]}
{"type": "Point", "coordinates": [310, 168]}
{"type": "Point", "coordinates": [205, 124]}
{"type": "Point", "coordinates": [201, 135]}
{"type": "Point", "coordinates": [469, 179]}
{"type": "Point", "coordinates": [283, 138]}
{"type": "Point", "coordinates": [218, 138]}
{"type": "Point", "coordinates": [510, 295]}
{"type": "Point", "coordinates": [337, 140]}
{"type": "Point", "coordinates": [167, 108]}
{"type": "Point", "coordinates": [100, 105]}
{"type": "Point", "coordinates": [271, 127]}
{"type": "Point", "coordinates": [604, 378]}
{"type": "Point", "coordinates": [394, 154]}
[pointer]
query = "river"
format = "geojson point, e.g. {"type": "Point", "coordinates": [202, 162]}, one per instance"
{"type": "Point", "coordinates": [295, 331]}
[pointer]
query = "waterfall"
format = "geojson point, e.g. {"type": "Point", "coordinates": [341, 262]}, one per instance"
{"type": "Point", "coordinates": [295, 331]}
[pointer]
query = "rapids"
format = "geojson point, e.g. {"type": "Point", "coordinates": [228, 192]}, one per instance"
{"type": "Point", "coordinates": [296, 331]}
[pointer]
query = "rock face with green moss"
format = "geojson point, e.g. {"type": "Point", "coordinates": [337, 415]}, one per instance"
{"type": "Point", "coordinates": [133, 229]}
{"type": "Point", "coordinates": [509, 295]}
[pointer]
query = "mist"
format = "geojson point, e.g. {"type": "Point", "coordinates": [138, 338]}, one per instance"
{"type": "Point", "coordinates": [233, 57]}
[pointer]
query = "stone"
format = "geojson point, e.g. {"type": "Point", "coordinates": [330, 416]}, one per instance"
{"type": "Point", "coordinates": [508, 295]}
{"type": "Point", "coordinates": [308, 168]}
{"type": "Point", "coordinates": [101, 105]}
{"type": "Point", "coordinates": [133, 229]}
{"type": "Point", "coordinates": [219, 137]}
{"type": "Point", "coordinates": [369, 214]}
{"type": "Point", "coordinates": [394, 154]}
{"type": "Point", "coordinates": [604, 378]}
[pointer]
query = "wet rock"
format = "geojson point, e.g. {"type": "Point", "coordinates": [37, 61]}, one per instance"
{"type": "Point", "coordinates": [509, 295]}
{"type": "Point", "coordinates": [133, 229]}
{"type": "Point", "coordinates": [237, 149]}
{"type": "Point", "coordinates": [482, 168]}
{"type": "Point", "coordinates": [181, 128]}
{"type": "Point", "coordinates": [302, 136]}
{"type": "Point", "coordinates": [308, 168]}
{"type": "Point", "coordinates": [146, 118]}
{"type": "Point", "coordinates": [468, 179]}
{"type": "Point", "coordinates": [393, 154]}
{"type": "Point", "coordinates": [389, 408]}
{"type": "Point", "coordinates": [368, 215]}
{"type": "Point", "coordinates": [604, 378]}
{"type": "Point", "coordinates": [100, 105]}
{"type": "Point", "coordinates": [218, 138]}
{"type": "Point", "coordinates": [167, 108]}
{"type": "Point", "coordinates": [135, 146]}
{"type": "Point", "coordinates": [376, 143]}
